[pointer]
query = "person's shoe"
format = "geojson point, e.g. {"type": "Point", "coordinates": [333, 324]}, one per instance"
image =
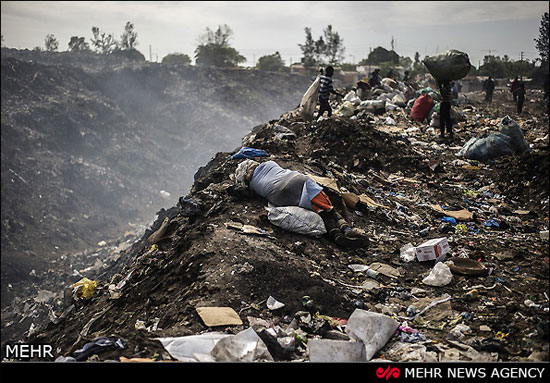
{"type": "Point", "coordinates": [354, 233]}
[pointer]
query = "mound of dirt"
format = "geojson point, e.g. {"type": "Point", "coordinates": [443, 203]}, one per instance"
{"type": "Point", "coordinates": [93, 146]}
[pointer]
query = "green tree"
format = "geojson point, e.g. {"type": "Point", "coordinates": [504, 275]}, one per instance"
{"type": "Point", "coordinates": [541, 43]}
{"type": "Point", "coordinates": [129, 37]}
{"type": "Point", "coordinates": [333, 47]}
{"type": "Point", "coordinates": [505, 68]}
{"type": "Point", "coordinates": [214, 49]}
{"type": "Point", "coordinates": [309, 57]}
{"type": "Point", "coordinates": [51, 43]}
{"type": "Point", "coordinates": [272, 63]}
{"type": "Point", "coordinates": [327, 49]}
{"type": "Point", "coordinates": [78, 44]}
{"type": "Point", "coordinates": [102, 42]}
{"type": "Point", "coordinates": [176, 58]}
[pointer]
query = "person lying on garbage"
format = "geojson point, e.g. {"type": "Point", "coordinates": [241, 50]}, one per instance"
{"type": "Point", "coordinates": [284, 187]}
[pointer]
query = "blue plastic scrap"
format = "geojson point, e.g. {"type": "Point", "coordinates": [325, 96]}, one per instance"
{"type": "Point", "coordinates": [246, 152]}
{"type": "Point", "coordinates": [448, 219]}
{"type": "Point", "coordinates": [491, 223]}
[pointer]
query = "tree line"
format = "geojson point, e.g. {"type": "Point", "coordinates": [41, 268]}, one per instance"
{"type": "Point", "coordinates": [214, 49]}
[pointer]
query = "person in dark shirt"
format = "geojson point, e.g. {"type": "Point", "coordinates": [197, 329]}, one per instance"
{"type": "Point", "coordinates": [445, 108]}
{"type": "Point", "coordinates": [514, 88]}
{"type": "Point", "coordinates": [375, 78]}
{"type": "Point", "coordinates": [489, 87]}
{"type": "Point", "coordinates": [547, 91]}
{"type": "Point", "coordinates": [325, 89]}
{"type": "Point", "coordinates": [520, 94]}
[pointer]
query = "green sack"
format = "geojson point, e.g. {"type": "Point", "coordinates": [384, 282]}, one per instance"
{"type": "Point", "coordinates": [451, 65]}
{"type": "Point", "coordinates": [432, 93]}
{"type": "Point", "coordinates": [510, 128]}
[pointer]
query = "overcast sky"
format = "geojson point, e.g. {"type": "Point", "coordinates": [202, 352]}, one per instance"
{"type": "Point", "coordinates": [261, 28]}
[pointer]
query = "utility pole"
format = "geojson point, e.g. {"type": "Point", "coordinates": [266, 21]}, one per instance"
{"type": "Point", "coordinates": [490, 50]}
{"type": "Point", "coordinates": [521, 65]}
{"type": "Point", "coordinates": [150, 54]}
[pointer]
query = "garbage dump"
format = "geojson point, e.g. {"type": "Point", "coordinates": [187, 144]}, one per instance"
{"type": "Point", "coordinates": [456, 268]}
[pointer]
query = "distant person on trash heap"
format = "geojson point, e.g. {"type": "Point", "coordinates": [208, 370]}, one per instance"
{"type": "Point", "coordinates": [514, 88]}
{"type": "Point", "coordinates": [325, 89]}
{"type": "Point", "coordinates": [363, 88]}
{"type": "Point", "coordinates": [283, 187]}
{"type": "Point", "coordinates": [375, 78]}
{"type": "Point", "coordinates": [489, 86]}
{"type": "Point", "coordinates": [454, 89]}
{"type": "Point", "coordinates": [520, 95]}
{"type": "Point", "coordinates": [445, 108]}
{"type": "Point", "coordinates": [547, 91]}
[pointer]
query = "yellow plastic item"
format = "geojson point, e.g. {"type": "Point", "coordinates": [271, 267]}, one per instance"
{"type": "Point", "coordinates": [84, 288]}
{"type": "Point", "coordinates": [461, 228]}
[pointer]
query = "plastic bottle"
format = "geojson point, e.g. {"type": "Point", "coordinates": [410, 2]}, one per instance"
{"type": "Point", "coordinates": [424, 232]}
{"type": "Point", "coordinates": [372, 273]}
{"type": "Point", "coordinates": [411, 311]}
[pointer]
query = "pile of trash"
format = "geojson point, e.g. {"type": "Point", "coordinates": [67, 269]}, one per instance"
{"type": "Point", "coordinates": [456, 269]}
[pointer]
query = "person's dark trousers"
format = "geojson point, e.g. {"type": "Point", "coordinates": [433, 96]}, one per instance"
{"type": "Point", "coordinates": [324, 106]}
{"type": "Point", "coordinates": [489, 96]}
{"type": "Point", "coordinates": [521, 100]}
{"type": "Point", "coordinates": [445, 118]}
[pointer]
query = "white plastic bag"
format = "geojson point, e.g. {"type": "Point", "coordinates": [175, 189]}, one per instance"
{"type": "Point", "coordinates": [346, 109]}
{"type": "Point", "coordinates": [372, 105]}
{"type": "Point", "coordinates": [352, 97]}
{"type": "Point", "coordinates": [296, 219]}
{"type": "Point", "coordinates": [309, 100]}
{"type": "Point", "coordinates": [439, 276]}
{"type": "Point", "coordinates": [373, 329]}
{"type": "Point", "coordinates": [407, 252]}
{"type": "Point", "coordinates": [245, 346]}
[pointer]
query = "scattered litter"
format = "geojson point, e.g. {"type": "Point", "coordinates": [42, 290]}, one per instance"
{"type": "Point", "coordinates": [439, 276]}
{"type": "Point", "coordinates": [274, 304]}
{"type": "Point", "coordinates": [373, 329]}
{"type": "Point", "coordinates": [435, 248]}
{"type": "Point", "coordinates": [84, 288]}
{"type": "Point", "coordinates": [99, 345]}
{"type": "Point", "coordinates": [335, 351]}
{"type": "Point", "coordinates": [219, 316]}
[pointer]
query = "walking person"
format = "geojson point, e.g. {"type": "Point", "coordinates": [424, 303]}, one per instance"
{"type": "Point", "coordinates": [325, 89]}
{"type": "Point", "coordinates": [514, 88]}
{"type": "Point", "coordinates": [445, 108]}
{"type": "Point", "coordinates": [489, 87]}
{"type": "Point", "coordinates": [520, 94]}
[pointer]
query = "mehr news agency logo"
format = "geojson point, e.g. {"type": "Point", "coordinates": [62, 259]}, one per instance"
{"type": "Point", "coordinates": [390, 372]}
{"type": "Point", "coordinates": [27, 352]}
